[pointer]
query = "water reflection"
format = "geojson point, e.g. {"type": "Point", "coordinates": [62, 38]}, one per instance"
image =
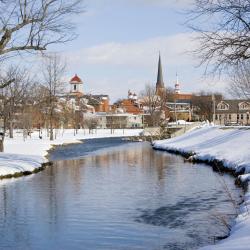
{"type": "Point", "coordinates": [123, 197]}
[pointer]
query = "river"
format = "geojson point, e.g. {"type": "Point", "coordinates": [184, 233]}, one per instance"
{"type": "Point", "coordinates": [108, 194]}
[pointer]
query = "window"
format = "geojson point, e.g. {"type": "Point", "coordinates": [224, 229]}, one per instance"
{"type": "Point", "coordinates": [74, 87]}
{"type": "Point", "coordinates": [242, 117]}
{"type": "Point", "coordinates": [223, 106]}
{"type": "Point", "coordinates": [220, 117]}
{"type": "Point", "coordinates": [247, 116]}
{"type": "Point", "coordinates": [229, 116]}
{"type": "Point", "coordinates": [244, 106]}
{"type": "Point", "coordinates": [216, 117]}
{"type": "Point", "coordinates": [238, 116]}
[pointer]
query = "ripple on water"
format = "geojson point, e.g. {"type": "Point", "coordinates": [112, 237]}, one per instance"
{"type": "Point", "coordinates": [123, 197]}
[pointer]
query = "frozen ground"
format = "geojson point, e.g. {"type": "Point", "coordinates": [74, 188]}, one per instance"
{"type": "Point", "coordinates": [232, 147]}
{"type": "Point", "coordinates": [20, 156]}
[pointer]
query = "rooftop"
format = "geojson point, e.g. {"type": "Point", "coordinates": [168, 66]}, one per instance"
{"type": "Point", "coordinates": [76, 79]}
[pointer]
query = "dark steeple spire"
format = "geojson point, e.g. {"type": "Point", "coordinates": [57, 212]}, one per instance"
{"type": "Point", "coordinates": [160, 83]}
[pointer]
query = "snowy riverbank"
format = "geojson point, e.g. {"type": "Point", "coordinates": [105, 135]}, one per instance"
{"type": "Point", "coordinates": [231, 146]}
{"type": "Point", "coordinates": [27, 156]}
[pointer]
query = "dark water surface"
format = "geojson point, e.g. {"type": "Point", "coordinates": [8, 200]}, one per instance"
{"type": "Point", "coordinates": [123, 196]}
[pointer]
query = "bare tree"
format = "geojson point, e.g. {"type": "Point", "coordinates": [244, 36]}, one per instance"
{"type": "Point", "coordinates": [240, 81]}
{"type": "Point", "coordinates": [53, 71]}
{"type": "Point", "coordinates": [13, 98]}
{"type": "Point", "coordinates": [15, 95]}
{"type": "Point", "coordinates": [223, 28]}
{"type": "Point", "coordinates": [202, 104]}
{"type": "Point", "coordinates": [154, 105]}
{"type": "Point", "coordinates": [32, 25]}
{"type": "Point", "coordinates": [37, 107]}
{"type": "Point", "coordinates": [91, 123]}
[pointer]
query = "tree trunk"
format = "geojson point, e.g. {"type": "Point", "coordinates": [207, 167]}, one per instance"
{"type": "Point", "coordinates": [11, 129]}
{"type": "Point", "coordinates": [2, 145]}
{"type": "Point", "coordinates": [51, 131]}
{"type": "Point", "coordinates": [51, 134]}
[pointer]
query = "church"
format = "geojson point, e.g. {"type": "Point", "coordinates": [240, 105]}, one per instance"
{"type": "Point", "coordinates": [178, 104]}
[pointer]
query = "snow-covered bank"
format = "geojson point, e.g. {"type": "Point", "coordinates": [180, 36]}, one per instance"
{"type": "Point", "coordinates": [231, 146]}
{"type": "Point", "coordinates": [27, 156]}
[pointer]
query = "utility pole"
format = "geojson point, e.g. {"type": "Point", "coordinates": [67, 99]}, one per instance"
{"type": "Point", "coordinates": [175, 114]}
{"type": "Point", "coordinates": [213, 100]}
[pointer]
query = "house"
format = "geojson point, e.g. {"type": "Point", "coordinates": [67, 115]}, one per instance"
{"type": "Point", "coordinates": [130, 105]}
{"type": "Point", "coordinates": [229, 112]}
{"type": "Point", "coordinates": [119, 121]}
{"type": "Point", "coordinates": [100, 103]}
{"type": "Point", "coordinates": [179, 111]}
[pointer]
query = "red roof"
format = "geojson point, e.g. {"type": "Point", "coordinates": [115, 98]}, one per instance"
{"type": "Point", "coordinates": [76, 79]}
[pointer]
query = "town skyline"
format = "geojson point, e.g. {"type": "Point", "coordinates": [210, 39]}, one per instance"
{"type": "Point", "coordinates": [125, 52]}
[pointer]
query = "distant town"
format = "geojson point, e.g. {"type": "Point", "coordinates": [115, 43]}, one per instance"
{"type": "Point", "coordinates": [157, 104]}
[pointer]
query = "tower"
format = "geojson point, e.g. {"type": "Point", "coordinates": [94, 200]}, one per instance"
{"type": "Point", "coordinates": [177, 85]}
{"type": "Point", "coordinates": [160, 84]}
{"type": "Point", "coordinates": [76, 86]}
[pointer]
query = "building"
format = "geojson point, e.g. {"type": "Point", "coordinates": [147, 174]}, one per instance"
{"type": "Point", "coordinates": [76, 86]}
{"type": "Point", "coordinates": [87, 102]}
{"type": "Point", "coordinates": [177, 87]}
{"type": "Point", "coordinates": [160, 88]}
{"type": "Point", "coordinates": [181, 97]}
{"type": "Point", "coordinates": [100, 103]}
{"type": "Point", "coordinates": [179, 111]}
{"type": "Point", "coordinates": [231, 112]}
{"type": "Point", "coordinates": [119, 121]}
{"type": "Point", "coordinates": [178, 105]}
{"type": "Point", "coordinates": [130, 105]}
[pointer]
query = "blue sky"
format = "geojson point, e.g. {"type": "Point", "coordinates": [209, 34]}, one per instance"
{"type": "Point", "coordinates": [118, 45]}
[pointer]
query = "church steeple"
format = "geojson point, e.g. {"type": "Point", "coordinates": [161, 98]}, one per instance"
{"type": "Point", "coordinates": [177, 85]}
{"type": "Point", "coordinates": [159, 84]}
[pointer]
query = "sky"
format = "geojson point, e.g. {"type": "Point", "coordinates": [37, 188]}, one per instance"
{"type": "Point", "coordinates": [118, 45]}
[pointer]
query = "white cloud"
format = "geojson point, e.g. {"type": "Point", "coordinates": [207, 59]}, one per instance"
{"type": "Point", "coordinates": [139, 54]}
{"type": "Point", "coordinates": [114, 68]}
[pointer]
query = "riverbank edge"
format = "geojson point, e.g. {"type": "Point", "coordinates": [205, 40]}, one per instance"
{"type": "Point", "coordinates": [217, 166]}
{"type": "Point", "coordinates": [25, 173]}
{"type": "Point", "coordinates": [43, 165]}
{"type": "Point", "coordinates": [36, 170]}
{"type": "Point", "coordinates": [47, 163]}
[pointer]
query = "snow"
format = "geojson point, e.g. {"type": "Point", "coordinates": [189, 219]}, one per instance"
{"type": "Point", "coordinates": [179, 122]}
{"type": "Point", "coordinates": [232, 147]}
{"type": "Point", "coordinates": [21, 156]}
